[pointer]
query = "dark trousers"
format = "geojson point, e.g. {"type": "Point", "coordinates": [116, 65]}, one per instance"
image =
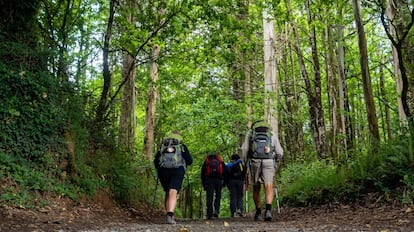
{"type": "Point", "coordinates": [213, 187]}
{"type": "Point", "coordinates": [236, 195]}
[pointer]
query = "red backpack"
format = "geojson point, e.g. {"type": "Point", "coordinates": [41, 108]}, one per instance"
{"type": "Point", "coordinates": [214, 166]}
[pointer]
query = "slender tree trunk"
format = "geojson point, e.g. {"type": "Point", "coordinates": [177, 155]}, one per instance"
{"type": "Point", "coordinates": [313, 93]}
{"type": "Point", "coordinates": [292, 126]}
{"type": "Point", "coordinates": [103, 101]}
{"type": "Point", "coordinates": [248, 95]}
{"type": "Point", "coordinates": [387, 119]}
{"type": "Point", "coordinates": [346, 125]}
{"type": "Point", "coordinates": [127, 125]}
{"type": "Point", "coordinates": [333, 93]}
{"type": "Point", "coordinates": [238, 83]}
{"type": "Point", "coordinates": [366, 79]}
{"type": "Point", "coordinates": [149, 140]}
{"type": "Point", "coordinates": [309, 92]}
{"type": "Point", "coordinates": [270, 74]}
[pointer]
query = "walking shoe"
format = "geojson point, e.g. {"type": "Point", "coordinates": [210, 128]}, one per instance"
{"type": "Point", "coordinates": [268, 215]}
{"type": "Point", "coordinates": [258, 217]}
{"type": "Point", "coordinates": [234, 215]}
{"type": "Point", "coordinates": [239, 213]}
{"type": "Point", "coordinates": [215, 215]}
{"type": "Point", "coordinates": [170, 219]}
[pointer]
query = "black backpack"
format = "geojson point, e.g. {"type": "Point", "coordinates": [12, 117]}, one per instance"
{"type": "Point", "coordinates": [261, 141]}
{"type": "Point", "coordinates": [236, 169]}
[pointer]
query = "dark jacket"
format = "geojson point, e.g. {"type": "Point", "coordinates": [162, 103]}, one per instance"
{"type": "Point", "coordinates": [230, 170]}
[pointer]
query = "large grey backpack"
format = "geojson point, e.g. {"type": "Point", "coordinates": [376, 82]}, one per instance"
{"type": "Point", "coordinates": [261, 141]}
{"type": "Point", "coordinates": [171, 153]}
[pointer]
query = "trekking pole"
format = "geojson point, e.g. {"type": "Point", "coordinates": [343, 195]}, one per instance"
{"type": "Point", "coordinates": [247, 200]}
{"type": "Point", "coordinates": [277, 200]}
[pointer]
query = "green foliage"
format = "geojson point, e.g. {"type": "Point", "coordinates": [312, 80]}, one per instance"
{"type": "Point", "coordinates": [385, 170]}
{"type": "Point", "coordinates": [316, 182]}
{"type": "Point", "coordinates": [127, 177]}
{"type": "Point", "coordinates": [22, 181]}
{"type": "Point", "coordinates": [388, 172]}
{"type": "Point", "coordinates": [30, 114]}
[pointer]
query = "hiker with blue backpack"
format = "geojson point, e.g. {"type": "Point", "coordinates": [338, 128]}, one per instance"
{"type": "Point", "coordinates": [262, 152]}
{"type": "Point", "coordinates": [171, 162]}
{"type": "Point", "coordinates": [235, 172]}
{"type": "Point", "coordinates": [212, 175]}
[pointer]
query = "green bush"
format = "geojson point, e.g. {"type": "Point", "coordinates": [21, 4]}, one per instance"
{"type": "Point", "coordinates": [389, 171]}
{"type": "Point", "coordinates": [315, 181]}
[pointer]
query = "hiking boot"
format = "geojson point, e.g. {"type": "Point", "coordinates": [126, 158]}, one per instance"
{"type": "Point", "coordinates": [268, 215]}
{"type": "Point", "coordinates": [170, 219]}
{"type": "Point", "coordinates": [215, 215]}
{"type": "Point", "coordinates": [258, 217]}
{"type": "Point", "coordinates": [234, 215]}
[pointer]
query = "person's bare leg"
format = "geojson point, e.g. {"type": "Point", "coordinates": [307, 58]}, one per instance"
{"type": "Point", "coordinates": [268, 198]}
{"type": "Point", "coordinates": [171, 200]}
{"type": "Point", "coordinates": [166, 201]}
{"type": "Point", "coordinates": [256, 195]}
{"type": "Point", "coordinates": [269, 193]}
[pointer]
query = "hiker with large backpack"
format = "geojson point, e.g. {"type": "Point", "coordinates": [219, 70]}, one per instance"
{"type": "Point", "coordinates": [212, 174]}
{"type": "Point", "coordinates": [235, 172]}
{"type": "Point", "coordinates": [262, 151]}
{"type": "Point", "coordinates": [171, 162]}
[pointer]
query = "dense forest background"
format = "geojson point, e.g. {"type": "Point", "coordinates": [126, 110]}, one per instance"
{"type": "Point", "coordinates": [88, 89]}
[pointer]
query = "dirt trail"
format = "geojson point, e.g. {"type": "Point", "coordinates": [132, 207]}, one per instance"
{"type": "Point", "coordinates": [99, 218]}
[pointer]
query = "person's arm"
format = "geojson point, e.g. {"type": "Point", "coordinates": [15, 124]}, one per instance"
{"type": "Point", "coordinates": [186, 155]}
{"type": "Point", "coordinates": [277, 148]}
{"type": "Point", "coordinates": [156, 160]}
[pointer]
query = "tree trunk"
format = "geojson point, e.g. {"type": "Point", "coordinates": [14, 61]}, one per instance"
{"type": "Point", "coordinates": [346, 125]}
{"type": "Point", "coordinates": [271, 77]}
{"type": "Point", "coordinates": [387, 118]}
{"type": "Point", "coordinates": [397, 29]}
{"type": "Point", "coordinates": [103, 101]}
{"type": "Point", "coordinates": [149, 140]}
{"type": "Point", "coordinates": [127, 125]}
{"type": "Point", "coordinates": [366, 79]}
{"type": "Point", "coordinates": [293, 136]}
{"type": "Point", "coordinates": [333, 95]}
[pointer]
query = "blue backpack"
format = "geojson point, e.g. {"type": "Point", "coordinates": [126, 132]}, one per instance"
{"type": "Point", "coordinates": [235, 168]}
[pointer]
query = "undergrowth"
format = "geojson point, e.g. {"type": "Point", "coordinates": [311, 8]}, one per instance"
{"type": "Point", "coordinates": [389, 171]}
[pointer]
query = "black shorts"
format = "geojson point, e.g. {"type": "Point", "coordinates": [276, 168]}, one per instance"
{"type": "Point", "coordinates": [171, 178]}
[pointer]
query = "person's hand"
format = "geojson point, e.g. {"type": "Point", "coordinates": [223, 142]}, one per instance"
{"type": "Point", "coordinates": [279, 158]}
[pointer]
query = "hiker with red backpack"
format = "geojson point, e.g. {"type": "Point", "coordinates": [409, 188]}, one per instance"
{"type": "Point", "coordinates": [212, 173]}
{"type": "Point", "coordinates": [262, 152]}
{"type": "Point", "coordinates": [171, 162]}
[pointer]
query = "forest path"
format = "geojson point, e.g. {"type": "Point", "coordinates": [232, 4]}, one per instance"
{"type": "Point", "coordinates": [96, 218]}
